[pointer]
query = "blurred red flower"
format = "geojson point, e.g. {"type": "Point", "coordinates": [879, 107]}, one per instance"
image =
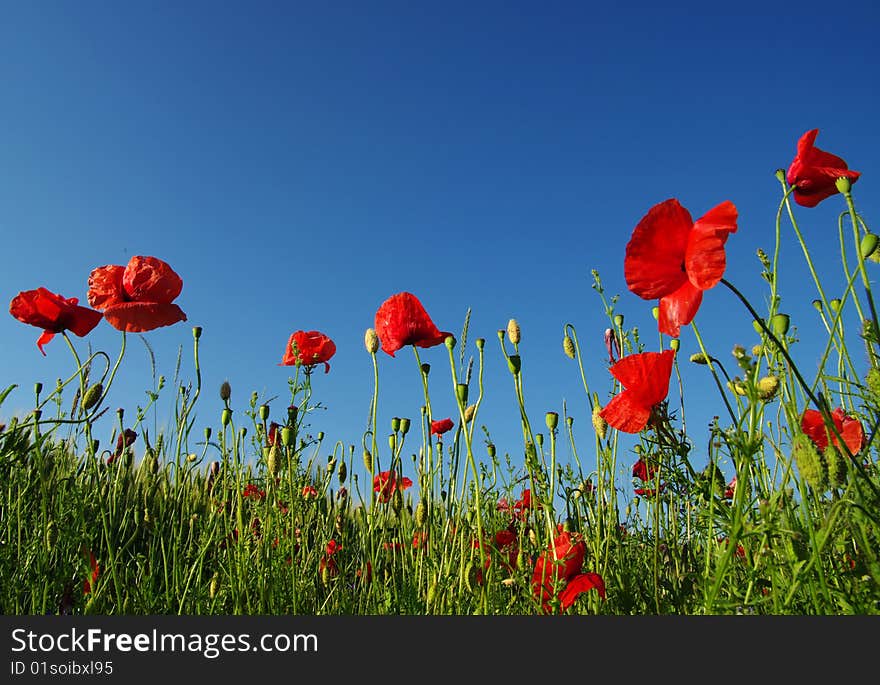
{"type": "Point", "coordinates": [53, 313]}
{"type": "Point", "coordinates": [253, 491]}
{"type": "Point", "coordinates": [123, 442]}
{"type": "Point", "coordinates": [309, 492]}
{"type": "Point", "coordinates": [88, 583]}
{"type": "Point", "coordinates": [327, 560]}
{"type": "Point", "coordinates": [387, 482]}
{"type": "Point", "coordinates": [671, 257]}
{"type": "Point", "coordinates": [850, 430]}
{"type": "Point", "coordinates": [442, 426]}
{"type": "Point", "coordinates": [814, 172]}
{"type": "Point", "coordinates": [137, 297]}
{"type": "Point", "coordinates": [645, 377]}
{"type": "Point", "coordinates": [308, 348]}
{"type": "Point", "coordinates": [560, 564]}
{"type": "Point", "coordinates": [402, 320]}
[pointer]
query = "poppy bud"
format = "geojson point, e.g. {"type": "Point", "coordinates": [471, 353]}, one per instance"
{"type": "Point", "coordinates": [397, 501]}
{"type": "Point", "coordinates": [779, 324]}
{"type": "Point", "coordinates": [225, 417]}
{"type": "Point", "coordinates": [331, 464]}
{"type": "Point", "coordinates": [392, 442]}
{"type": "Point", "coordinates": [214, 586]}
{"type": "Point", "coordinates": [469, 413]}
{"type": "Point", "coordinates": [286, 436]}
{"type": "Point", "coordinates": [272, 462]}
{"type": "Point", "coordinates": [513, 331]}
{"type": "Point", "coordinates": [368, 461]}
{"type": "Point", "coordinates": [449, 342]}
{"type": "Point", "coordinates": [51, 535]}
{"type": "Point", "coordinates": [568, 347]}
{"type": "Point", "coordinates": [552, 420]}
{"type": "Point", "coordinates": [599, 424]}
{"type": "Point", "coordinates": [225, 391]}
{"type": "Point", "coordinates": [767, 387]}
{"type": "Point", "coordinates": [342, 472]}
{"type": "Point", "coordinates": [207, 433]}
{"type": "Point", "coordinates": [371, 341]}
{"type": "Point", "coordinates": [480, 343]}
{"type": "Point", "coordinates": [404, 426]}
{"type": "Point", "coordinates": [421, 514]}
{"type": "Point", "coordinates": [490, 448]}
{"type": "Point", "coordinates": [38, 388]}
{"type": "Point", "coordinates": [809, 462]}
{"type": "Point", "coordinates": [264, 412]}
{"type": "Point", "coordinates": [843, 184]}
{"type": "Point", "coordinates": [700, 358]}
{"type": "Point", "coordinates": [868, 245]}
{"type": "Point", "coordinates": [674, 344]}
{"type": "Point", "coordinates": [92, 396]}
{"type": "Point", "coordinates": [320, 436]}
{"type": "Point", "coordinates": [514, 363]}
{"type": "Point", "coordinates": [395, 424]}
{"type": "Point", "coordinates": [242, 431]}
{"type": "Point", "coordinates": [618, 320]}
{"type": "Point", "coordinates": [461, 392]}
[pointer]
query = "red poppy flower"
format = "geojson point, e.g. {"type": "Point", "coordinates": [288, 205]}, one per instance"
{"type": "Point", "coordinates": [252, 490]}
{"type": "Point", "coordinates": [387, 483]}
{"type": "Point", "coordinates": [307, 348]}
{"type": "Point", "coordinates": [643, 471]}
{"type": "Point", "coordinates": [671, 257]}
{"type": "Point", "coordinates": [53, 313]}
{"type": "Point", "coordinates": [730, 489]}
{"type": "Point", "coordinates": [309, 492]}
{"type": "Point", "coordinates": [814, 172]}
{"type": "Point", "coordinates": [272, 434]}
{"type": "Point", "coordinates": [123, 442]}
{"type": "Point", "coordinates": [849, 428]}
{"type": "Point", "coordinates": [89, 582]}
{"type": "Point", "coordinates": [327, 560]}
{"type": "Point", "coordinates": [402, 320]}
{"type": "Point", "coordinates": [561, 564]}
{"type": "Point", "coordinates": [137, 297]}
{"type": "Point", "coordinates": [420, 540]}
{"type": "Point", "coordinates": [442, 426]}
{"type": "Point", "coordinates": [645, 377]}
{"type": "Point", "coordinates": [522, 506]}
{"type": "Point", "coordinates": [649, 492]}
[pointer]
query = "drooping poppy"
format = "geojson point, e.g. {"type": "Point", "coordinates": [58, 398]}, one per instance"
{"type": "Point", "coordinates": [402, 320]}
{"type": "Point", "coordinates": [581, 583]}
{"type": "Point", "coordinates": [645, 377]}
{"type": "Point", "coordinates": [643, 471]}
{"type": "Point", "coordinates": [53, 313]}
{"type": "Point", "coordinates": [814, 172]}
{"type": "Point", "coordinates": [137, 297]}
{"type": "Point", "coordinates": [123, 441]}
{"type": "Point", "coordinates": [675, 259]}
{"type": "Point", "coordinates": [308, 348]}
{"type": "Point", "coordinates": [558, 572]}
{"type": "Point", "coordinates": [442, 426]}
{"type": "Point", "coordinates": [850, 430]}
{"type": "Point", "coordinates": [387, 483]}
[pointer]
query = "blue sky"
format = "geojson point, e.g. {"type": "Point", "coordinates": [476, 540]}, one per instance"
{"type": "Point", "coordinates": [298, 163]}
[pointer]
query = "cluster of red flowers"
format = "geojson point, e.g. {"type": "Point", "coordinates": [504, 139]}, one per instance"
{"type": "Point", "coordinates": [387, 483]}
{"type": "Point", "coordinates": [559, 573]}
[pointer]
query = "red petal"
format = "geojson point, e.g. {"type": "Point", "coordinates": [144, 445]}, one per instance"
{"type": "Point", "coordinates": [46, 337]}
{"type": "Point", "coordinates": [138, 317]}
{"type": "Point", "coordinates": [814, 428]}
{"type": "Point", "coordinates": [653, 266]}
{"type": "Point", "coordinates": [81, 320]}
{"type": "Point", "coordinates": [147, 279]}
{"type": "Point", "coordinates": [402, 320]}
{"type": "Point", "coordinates": [851, 431]}
{"type": "Point", "coordinates": [105, 286]}
{"type": "Point", "coordinates": [626, 412]}
{"type": "Point", "coordinates": [679, 309]}
{"type": "Point", "coordinates": [705, 259]}
{"type": "Point", "coordinates": [646, 373]}
{"type": "Point", "coordinates": [814, 172]}
{"type": "Point", "coordinates": [580, 584]}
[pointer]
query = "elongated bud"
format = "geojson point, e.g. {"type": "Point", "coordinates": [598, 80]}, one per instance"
{"type": "Point", "coordinates": [342, 472]}
{"type": "Point", "coordinates": [868, 245]}
{"type": "Point", "coordinates": [226, 417]}
{"type": "Point", "coordinates": [551, 418]}
{"type": "Point", "coordinates": [273, 463]}
{"type": "Point", "coordinates": [469, 412]}
{"type": "Point", "coordinates": [490, 449]}
{"type": "Point", "coordinates": [92, 396]}
{"type": "Point", "coordinates": [264, 412]}
{"type": "Point", "coordinates": [214, 586]}
{"type": "Point", "coordinates": [404, 425]}
{"type": "Point", "coordinates": [368, 461]}
{"type": "Point", "coordinates": [568, 347]}
{"type": "Point", "coordinates": [287, 436]}
{"type": "Point", "coordinates": [51, 535]}
{"type": "Point", "coordinates": [392, 442]}
{"type": "Point", "coordinates": [461, 392]}
{"type": "Point", "coordinates": [371, 341]}
{"type": "Point", "coordinates": [225, 391]}
{"type": "Point", "coordinates": [421, 513]}
{"type": "Point", "coordinates": [700, 358]}
{"type": "Point", "coordinates": [599, 424]}
{"type": "Point", "coordinates": [513, 331]}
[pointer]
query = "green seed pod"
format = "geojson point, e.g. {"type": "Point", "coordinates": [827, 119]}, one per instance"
{"type": "Point", "coordinates": [461, 392]}
{"type": "Point", "coordinates": [514, 363]}
{"type": "Point", "coordinates": [539, 438]}
{"type": "Point", "coordinates": [392, 441]}
{"type": "Point", "coordinates": [868, 245]}
{"type": "Point", "coordinates": [92, 396]}
{"type": "Point", "coordinates": [342, 472]}
{"type": "Point", "coordinates": [264, 412]}
{"type": "Point", "coordinates": [835, 305]}
{"type": "Point", "coordinates": [568, 347]}
{"type": "Point", "coordinates": [843, 185]}
{"type": "Point", "coordinates": [226, 417]}
{"type": "Point", "coordinates": [395, 424]}
{"type": "Point", "coordinates": [779, 324]}
{"type": "Point", "coordinates": [618, 320]}
{"type": "Point", "coordinates": [551, 418]}
{"type": "Point", "coordinates": [404, 425]}
{"type": "Point", "coordinates": [490, 449]}
{"type": "Point", "coordinates": [449, 342]}
{"type": "Point", "coordinates": [674, 344]}
{"type": "Point", "coordinates": [286, 436]}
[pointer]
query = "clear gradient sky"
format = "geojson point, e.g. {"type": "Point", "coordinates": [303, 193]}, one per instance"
{"type": "Point", "coordinates": [297, 163]}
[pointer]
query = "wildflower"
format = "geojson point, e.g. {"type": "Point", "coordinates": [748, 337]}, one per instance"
{"type": "Point", "coordinates": [730, 489]}
{"type": "Point", "coordinates": [814, 172]}
{"type": "Point", "coordinates": [53, 313]}
{"type": "Point", "coordinates": [643, 471]}
{"type": "Point", "coordinates": [402, 320]}
{"type": "Point", "coordinates": [387, 483]}
{"type": "Point", "coordinates": [309, 492]}
{"type": "Point", "coordinates": [308, 348]}
{"type": "Point", "coordinates": [645, 377]}
{"type": "Point", "coordinates": [137, 297]}
{"type": "Point", "coordinates": [671, 257]}
{"type": "Point", "coordinates": [89, 583]}
{"type": "Point", "coordinates": [561, 564]}
{"type": "Point", "coordinates": [327, 567]}
{"type": "Point", "coordinates": [767, 387]}
{"type": "Point", "coordinates": [849, 428]}
{"type": "Point", "coordinates": [522, 506]}
{"type": "Point", "coordinates": [442, 426]}
{"type": "Point", "coordinates": [123, 442]}
{"type": "Point", "coordinates": [612, 346]}
{"type": "Point", "coordinates": [253, 491]}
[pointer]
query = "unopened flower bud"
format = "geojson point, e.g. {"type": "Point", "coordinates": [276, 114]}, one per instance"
{"type": "Point", "coordinates": [700, 358]}
{"type": "Point", "coordinates": [214, 586]}
{"type": "Point", "coordinates": [342, 472]}
{"type": "Point", "coordinates": [392, 442]}
{"type": "Point", "coordinates": [490, 449]}
{"type": "Point", "coordinates": [767, 387]}
{"type": "Point", "coordinates": [868, 245]}
{"type": "Point", "coordinates": [568, 347]}
{"type": "Point", "coordinates": [461, 392]}
{"type": "Point", "coordinates": [599, 424]}
{"type": "Point", "coordinates": [368, 461]}
{"type": "Point", "coordinates": [286, 436]}
{"type": "Point", "coordinates": [273, 464]}
{"type": "Point", "coordinates": [226, 417]}
{"type": "Point", "coordinates": [225, 391]}
{"type": "Point", "coordinates": [469, 413]}
{"type": "Point", "coordinates": [371, 341]}
{"type": "Point", "coordinates": [513, 331]}
{"type": "Point", "coordinates": [92, 396]}
{"type": "Point", "coordinates": [779, 324]}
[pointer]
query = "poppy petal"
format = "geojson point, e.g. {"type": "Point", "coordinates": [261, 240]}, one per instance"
{"type": "Point", "coordinates": [402, 320]}
{"type": "Point", "coordinates": [81, 320]}
{"type": "Point", "coordinates": [654, 262]}
{"type": "Point", "coordinates": [105, 286]}
{"type": "Point", "coordinates": [626, 412]}
{"type": "Point", "coordinates": [148, 279]}
{"type": "Point", "coordinates": [705, 260]}
{"type": "Point", "coordinates": [646, 373]}
{"type": "Point", "coordinates": [851, 431]}
{"type": "Point", "coordinates": [580, 584]}
{"type": "Point", "coordinates": [138, 317]}
{"type": "Point", "coordinates": [678, 309]}
{"type": "Point", "coordinates": [46, 337]}
{"type": "Point", "coordinates": [813, 427]}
